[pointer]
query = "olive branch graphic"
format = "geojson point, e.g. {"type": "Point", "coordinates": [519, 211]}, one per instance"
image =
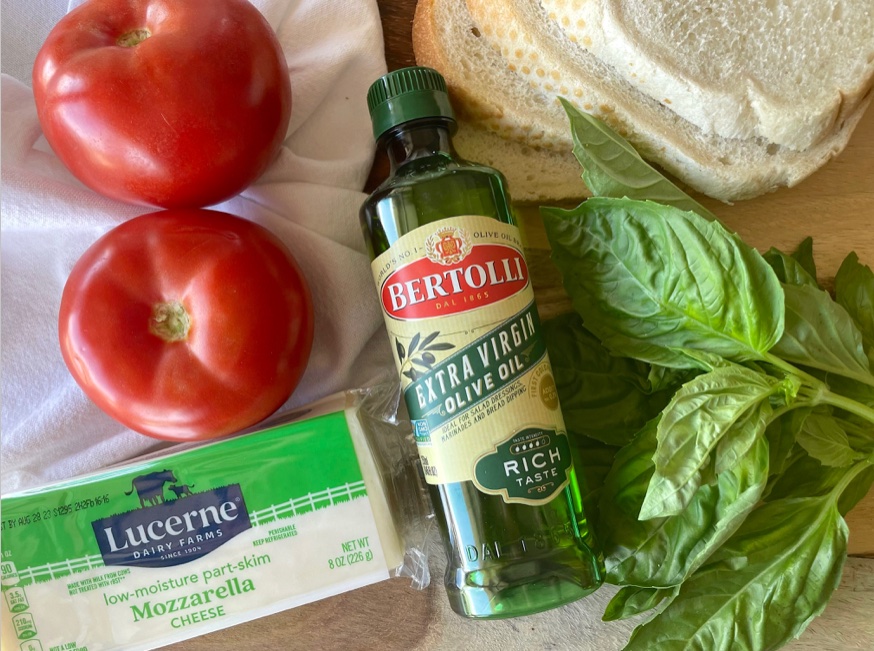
{"type": "Point", "coordinates": [425, 348]}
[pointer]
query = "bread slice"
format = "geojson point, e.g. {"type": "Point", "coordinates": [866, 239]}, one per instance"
{"type": "Point", "coordinates": [502, 123]}
{"type": "Point", "coordinates": [506, 63]}
{"type": "Point", "coordinates": [786, 70]}
{"type": "Point", "coordinates": [534, 174]}
{"type": "Point", "coordinates": [484, 90]}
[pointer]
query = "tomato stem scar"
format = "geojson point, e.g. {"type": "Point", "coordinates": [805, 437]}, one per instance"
{"type": "Point", "coordinates": [133, 37]}
{"type": "Point", "coordinates": [169, 321]}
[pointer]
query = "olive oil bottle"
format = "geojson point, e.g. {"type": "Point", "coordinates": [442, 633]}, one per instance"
{"type": "Point", "coordinates": [459, 308]}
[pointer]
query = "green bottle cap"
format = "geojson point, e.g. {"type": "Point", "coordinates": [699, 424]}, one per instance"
{"type": "Point", "coordinates": [407, 94]}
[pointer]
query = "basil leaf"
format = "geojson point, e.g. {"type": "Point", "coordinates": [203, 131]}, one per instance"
{"type": "Point", "coordinates": [860, 433]}
{"type": "Point", "coordinates": [782, 433]}
{"type": "Point", "coordinates": [633, 600]}
{"type": "Point", "coordinates": [650, 279]}
{"type": "Point", "coordinates": [593, 461]}
{"type": "Point", "coordinates": [825, 440]}
{"type": "Point", "coordinates": [663, 552]}
{"type": "Point", "coordinates": [856, 490]}
{"type": "Point", "coordinates": [804, 256]}
{"type": "Point", "coordinates": [807, 477]}
{"type": "Point", "coordinates": [727, 402]}
{"type": "Point", "coordinates": [664, 377]}
{"type": "Point", "coordinates": [613, 168]}
{"type": "Point", "coordinates": [602, 396]}
{"type": "Point", "coordinates": [786, 557]}
{"type": "Point", "coordinates": [820, 334]}
{"type": "Point", "coordinates": [789, 270]}
{"type": "Point", "coordinates": [742, 436]}
{"type": "Point", "coordinates": [854, 291]}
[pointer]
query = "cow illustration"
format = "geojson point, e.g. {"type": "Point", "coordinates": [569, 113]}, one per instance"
{"type": "Point", "coordinates": [150, 487]}
{"type": "Point", "coordinates": [181, 491]}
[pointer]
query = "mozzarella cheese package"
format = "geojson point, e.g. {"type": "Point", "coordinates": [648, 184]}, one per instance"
{"type": "Point", "coordinates": [176, 545]}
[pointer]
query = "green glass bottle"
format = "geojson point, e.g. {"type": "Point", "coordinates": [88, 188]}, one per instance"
{"type": "Point", "coordinates": [459, 308]}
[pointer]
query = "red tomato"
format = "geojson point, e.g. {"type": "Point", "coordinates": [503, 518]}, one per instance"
{"type": "Point", "coordinates": [186, 324]}
{"type": "Point", "coordinates": [171, 103]}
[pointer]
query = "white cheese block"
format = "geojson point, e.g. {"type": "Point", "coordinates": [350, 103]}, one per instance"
{"type": "Point", "coordinates": [180, 544]}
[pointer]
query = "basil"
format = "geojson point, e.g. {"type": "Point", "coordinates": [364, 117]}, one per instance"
{"type": "Point", "coordinates": [762, 588]}
{"type": "Point", "coordinates": [827, 442]}
{"type": "Point", "coordinates": [613, 168]}
{"type": "Point", "coordinates": [633, 600]}
{"type": "Point", "coordinates": [820, 334]}
{"type": "Point", "coordinates": [651, 279]}
{"type": "Point", "coordinates": [663, 552]}
{"type": "Point", "coordinates": [732, 400]}
{"type": "Point", "coordinates": [618, 397]}
{"type": "Point", "coordinates": [854, 291]}
{"type": "Point", "coordinates": [727, 403]}
{"type": "Point", "coordinates": [796, 269]}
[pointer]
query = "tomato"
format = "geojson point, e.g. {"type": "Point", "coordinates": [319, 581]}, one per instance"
{"type": "Point", "coordinates": [186, 324]}
{"type": "Point", "coordinates": [170, 103]}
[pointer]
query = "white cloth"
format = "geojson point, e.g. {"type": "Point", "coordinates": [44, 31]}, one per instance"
{"type": "Point", "coordinates": [309, 197]}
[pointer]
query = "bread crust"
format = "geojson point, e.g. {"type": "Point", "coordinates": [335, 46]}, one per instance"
{"type": "Point", "coordinates": [428, 50]}
{"type": "Point", "coordinates": [534, 173]}
{"type": "Point", "coordinates": [492, 105]}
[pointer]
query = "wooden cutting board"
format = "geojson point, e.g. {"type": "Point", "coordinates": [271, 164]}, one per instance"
{"type": "Point", "coordinates": [836, 207]}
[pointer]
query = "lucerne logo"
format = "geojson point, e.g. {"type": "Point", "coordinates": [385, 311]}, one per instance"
{"type": "Point", "coordinates": [163, 532]}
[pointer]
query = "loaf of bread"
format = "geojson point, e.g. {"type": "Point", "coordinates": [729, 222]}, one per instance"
{"type": "Point", "coordinates": [744, 122]}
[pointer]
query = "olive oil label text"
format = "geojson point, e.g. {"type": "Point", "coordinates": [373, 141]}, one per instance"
{"type": "Point", "coordinates": [533, 463]}
{"type": "Point", "coordinates": [466, 336]}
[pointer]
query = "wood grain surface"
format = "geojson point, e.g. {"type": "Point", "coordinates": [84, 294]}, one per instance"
{"type": "Point", "coordinates": [836, 207]}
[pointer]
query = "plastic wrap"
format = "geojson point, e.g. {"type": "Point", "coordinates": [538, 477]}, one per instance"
{"type": "Point", "coordinates": [205, 536]}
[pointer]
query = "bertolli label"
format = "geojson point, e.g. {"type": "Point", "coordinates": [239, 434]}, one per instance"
{"type": "Point", "coordinates": [454, 276]}
{"type": "Point", "coordinates": [459, 308]}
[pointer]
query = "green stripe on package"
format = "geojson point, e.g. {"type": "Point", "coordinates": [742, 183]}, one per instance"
{"type": "Point", "coordinates": [180, 544]}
